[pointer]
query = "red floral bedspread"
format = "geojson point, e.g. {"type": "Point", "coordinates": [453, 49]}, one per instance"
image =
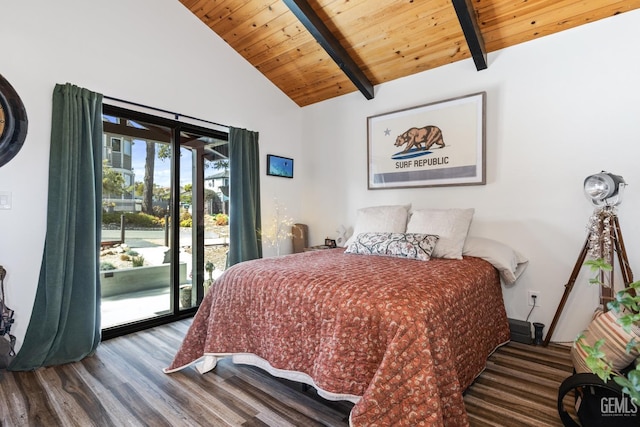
{"type": "Point", "coordinates": [408, 336]}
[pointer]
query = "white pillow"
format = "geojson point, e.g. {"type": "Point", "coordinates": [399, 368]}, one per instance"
{"type": "Point", "coordinates": [381, 219]}
{"type": "Point", "coordinates": [452, 225]}
{"type": "Point", "coordinates": [509, 262]}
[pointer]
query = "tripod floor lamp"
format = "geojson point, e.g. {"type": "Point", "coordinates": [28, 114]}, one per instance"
{"type": "Point", "coordinates": [605, 237]}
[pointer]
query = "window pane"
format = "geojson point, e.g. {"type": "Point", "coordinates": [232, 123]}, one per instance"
{"type": "Point", "coordinates": [135, 260]}
{"type": "Point", "coordinates": [204, 226]}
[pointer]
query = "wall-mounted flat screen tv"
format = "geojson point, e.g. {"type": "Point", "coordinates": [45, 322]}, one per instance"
{"type": "Point", "coordinates": [279, 166]}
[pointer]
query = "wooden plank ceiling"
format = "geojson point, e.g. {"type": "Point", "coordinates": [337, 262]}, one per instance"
{"type": "Point", "coordinates": [387, 39]}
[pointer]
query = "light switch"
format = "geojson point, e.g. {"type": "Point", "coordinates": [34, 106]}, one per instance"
{"type": "Point", "coordinates": [5, 200]}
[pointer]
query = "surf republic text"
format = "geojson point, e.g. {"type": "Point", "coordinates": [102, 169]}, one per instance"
{"type": "Point", "coordinates": [418, 163]}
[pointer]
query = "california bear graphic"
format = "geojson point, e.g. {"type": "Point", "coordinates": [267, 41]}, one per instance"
{"type": "Point", "coordinates": [415, 137]}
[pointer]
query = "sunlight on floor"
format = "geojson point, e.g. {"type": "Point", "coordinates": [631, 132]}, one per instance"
{"type": "Point", "coordinates": [129, 307]}
{"type": "Point", "coordinates": [134, 306]}
{"type": "Point", "coordinates": [143, 304]}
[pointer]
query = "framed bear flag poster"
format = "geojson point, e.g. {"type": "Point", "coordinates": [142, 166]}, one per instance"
{"type": "Point", "coordinates": [438, 144]}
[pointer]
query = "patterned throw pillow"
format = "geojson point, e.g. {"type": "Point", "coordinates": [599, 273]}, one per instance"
{"type": "Point", "coordinates": [401, 245]}
{"type": "Point", "coordinates": [605, 325]}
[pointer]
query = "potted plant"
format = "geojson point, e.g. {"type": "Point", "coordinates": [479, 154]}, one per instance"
{"type": "Point", "coordinates": [627, 307]}
{"type": "Point", "coordinates": [109, 207]}
{"type": "Point", "coordinates": [209, 266]}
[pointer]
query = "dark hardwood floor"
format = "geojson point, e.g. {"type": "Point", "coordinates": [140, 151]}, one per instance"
{"type": "Point", "coordinates": [519, 387]}
{"type": "Point", "coordinates": [123, 385]}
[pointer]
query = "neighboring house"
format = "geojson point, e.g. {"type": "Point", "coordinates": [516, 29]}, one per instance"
{"type": "Point", "coordinates": [219, 184]}
{"type": "Point", "coordinates": [116, 152]}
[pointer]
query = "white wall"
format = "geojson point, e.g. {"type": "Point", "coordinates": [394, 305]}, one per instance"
{"type": "Point", "coordinates": [558, 109]}
{"type": "Point", "coordinates": [153, 52]}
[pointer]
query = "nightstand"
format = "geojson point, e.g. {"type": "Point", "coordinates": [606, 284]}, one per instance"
{"type": "Point", "coordinates": [317, 248]}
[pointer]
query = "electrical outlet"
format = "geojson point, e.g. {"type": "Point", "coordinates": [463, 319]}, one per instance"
{"type": "Point", "coordinates": [531, 296]}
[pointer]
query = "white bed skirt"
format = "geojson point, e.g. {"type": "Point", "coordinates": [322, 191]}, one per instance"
{"type": "Point", "coordinates": [209, 361]}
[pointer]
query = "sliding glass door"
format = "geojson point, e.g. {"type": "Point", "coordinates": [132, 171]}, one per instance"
{"type": "Point", "coordinates": [204, 222]}
{"type": "Point", "coordinates": [163, 242]}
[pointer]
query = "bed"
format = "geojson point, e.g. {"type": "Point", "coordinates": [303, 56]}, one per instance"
{"type": "Point", "coordinates": [401, 338]}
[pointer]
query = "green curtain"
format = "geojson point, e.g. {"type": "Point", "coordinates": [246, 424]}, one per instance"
{"type": "Point", "coordinates": [244, 196]}
{"type": "Point", "coordinates": [65, 322]}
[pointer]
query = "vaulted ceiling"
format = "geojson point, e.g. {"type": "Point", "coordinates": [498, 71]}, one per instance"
{"type": "Point", "coordinates": [382, 39]}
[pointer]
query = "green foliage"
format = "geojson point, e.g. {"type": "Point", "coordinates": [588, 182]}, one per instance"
{"type": "Point", "coordinates": [138, 188]}
{"type": "Point", "coordinates": [221, 219]}
{"type": "Point", "coordinates": [143, 220]}
{"type": "Point", "coordinates": [164, 151]}
{"type": "Point", "coordinates": [137, 261]}
{"type": "Point", "coordinates": [112, 181]}
{"type": "Point", "coordinates": [110, 218]}
{"type": "Point", "coordinates": [596, 358]}
{"type": "Point", "coordinates": [221, 164]}
{"type": "Point", "coordinates": [186, 194]}
{"type": "Point", "coordinates": [209, 266]}
{"type": "Point", "coordinates": [107, 266]}
{"type": "Point", "coordinates": [630, 384]}
{"type": "Point", "coordinates": [161, 193]}
{"type": "Point", "coordinates": [209, 194]}
{"type": "Point", "coordinates": [627, 302]}
{"type": "Point", "coordinates": [138, 219]}
{"type": "Point", "coordinates": [597, 266]}
{"type": "Point", "coordinates": [185, 219]}
{"type": "Point", "coordinates": [160, 212]}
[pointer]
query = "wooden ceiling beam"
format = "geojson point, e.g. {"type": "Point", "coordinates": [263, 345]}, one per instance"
{"type": "Point", "coordinates": [331, 45]}
{"type": "Point", "coordinates": [471, 29]}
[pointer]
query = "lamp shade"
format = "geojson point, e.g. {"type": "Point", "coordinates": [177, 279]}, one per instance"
{"type": "Point", "coordinates": [604, 188]}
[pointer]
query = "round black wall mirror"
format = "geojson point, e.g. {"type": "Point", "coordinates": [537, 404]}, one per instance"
{"type": "Point", "coordinates": [13, 122]}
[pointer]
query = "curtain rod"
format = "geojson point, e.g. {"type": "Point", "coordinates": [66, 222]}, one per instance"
{"type": "Point", "coordinates": [175, 115]}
